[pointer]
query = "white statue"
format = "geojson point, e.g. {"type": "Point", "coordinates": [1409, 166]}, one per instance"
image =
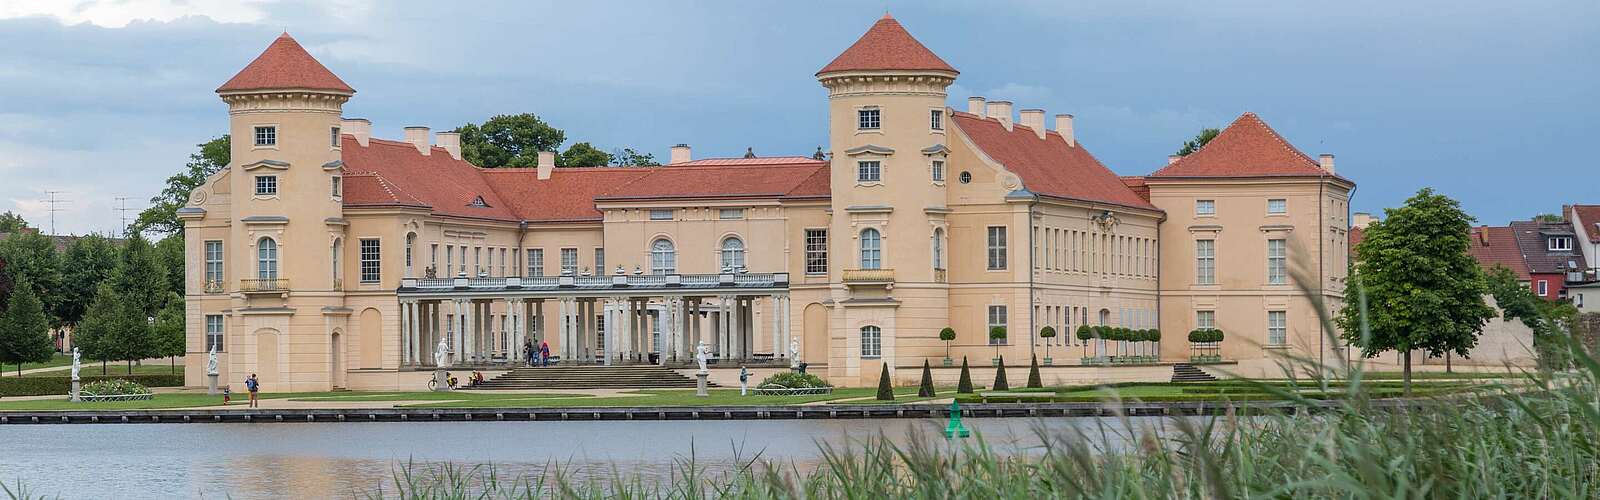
{"type": "Point", "coordinates": [701, 352]}
{"type": "Point", "coordinates": [77, 358]}
{"type": "Point", "coordinates": [211, 361]}
{"type": "Point", "coordinates": [794, 354]}
{"type": "Point", "coordinates": [439, 354]}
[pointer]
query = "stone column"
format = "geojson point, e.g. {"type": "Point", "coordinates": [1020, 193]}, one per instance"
{"type": "Point", "coordinates": [457, 334]}
{"type": "Point", "coordinates": [784, 324]}
{"type": "Point", "coordinates": [405, 332]}
{"type": "Point", "coordinates": [590, 339]}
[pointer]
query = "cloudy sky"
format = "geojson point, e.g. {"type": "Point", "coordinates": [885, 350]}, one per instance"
{"type": "Point", "coordinates": [1493, 103]}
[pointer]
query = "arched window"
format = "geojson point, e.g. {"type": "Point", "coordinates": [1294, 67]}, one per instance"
{"type": "Point", "coordinates": [938, 248]}
{"type": "Point", "coordinates": [267, 259]}
{"type": "Point", "coordinates": [733, 253]}
{"type": "Point", "coordinates": [871, 249]}
{"type": "Point", "coordinates": [663, 257]}
{"type": "Point", "coordinates": [1105, 317]}
{"type": "Point", "coordinates": [871, 342]}
{"type": "Point", "coordinates": [338, 249]}
{"type": "Point", "coordinates": [411, 245]}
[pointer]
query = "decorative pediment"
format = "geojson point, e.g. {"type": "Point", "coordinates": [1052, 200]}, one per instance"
{"type": "Point", "coordinates": [936, 149]}
{"type": "Point", "coordinates": [333, 165]}
{"type": "Point", "coordinates": [870, 149]}
{"type": "Point", "coordinates": [265, 220]}
{"type": "Point", "coordinates": [271, 164]}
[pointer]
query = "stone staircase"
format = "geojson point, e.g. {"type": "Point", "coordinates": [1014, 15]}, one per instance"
{"type": "Point", "coordinates": [1188, 373]}
{"type": "Point", "coordinates": [590, 377]}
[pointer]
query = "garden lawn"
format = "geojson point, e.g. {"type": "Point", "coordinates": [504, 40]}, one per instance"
{"type": "Point", "coordinates": [115, 369]}
{"type": "Point", "coordinates": [58, 359]}
{"type": "Point", "coordinates": [664, 397]}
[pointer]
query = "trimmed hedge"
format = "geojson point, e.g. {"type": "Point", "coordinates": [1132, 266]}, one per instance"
{"type": "Point", "coordinates": [60, 386]}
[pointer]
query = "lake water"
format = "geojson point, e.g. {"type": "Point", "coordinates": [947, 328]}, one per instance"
{"type": "Point", "coordinates": [345, 460]}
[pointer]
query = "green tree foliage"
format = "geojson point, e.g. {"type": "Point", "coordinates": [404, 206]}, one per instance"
{"type": "Point", "coordinates": [25, 329]}
{"type": "Point", "coordinates": [627, 157]}
{"type": "Point", "coordinates": [1420, 287]}
{"type": "Point", "coordinates": [140, 278]}
{"type": "Point", "coordinates": [583, 154]}
{"type": "Point", "coordinates": [168, 330]}
{"type": "Point", "coordinates": [30, 257]}
{"type": "Point", "coordinates": [1034, 380]}
{"type": "Point", "coordinates": [169, 251]}
{"type": "Point", "coordinates": [925, 389]}
{"type": "Point", "coordinates": [1547, 218]}
{"type": "Point", "coordinates": [998, 336]}
{"type": "Point", "coordinates": [885, 387]}
{"type": "Point", "coordinates": [11, 222]}
{"type": "Point", "coordinates": [87, 263]}
{"type": "Point", "coordinates": [1550, 320]}
{"type": "Point", "coordinates": [162, 216]}
{"type": "Point", "coordinates": [964, 386]}
{"type": "Point", "coordinates": [1000, 376]}
{"type": "Point", "coordinates": [509, 141]}
{"type": "Point", "coordinates": [1047, 333]}
{"type": "Point", "coordinates": [1199, 141]}
{"type": "Point", "coordinates": [947, 334]}
{"type": "Point", "coordinates": [115, 329]}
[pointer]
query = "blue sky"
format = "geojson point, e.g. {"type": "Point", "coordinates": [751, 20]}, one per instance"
{"type": "Point", "coordinates": [1493, 103]}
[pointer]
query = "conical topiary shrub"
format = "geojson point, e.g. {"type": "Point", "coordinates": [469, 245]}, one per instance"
{"type": "Point", "coordinates": [965, 385]}
{"type": "Point", "coordinates": [926, 390]}
{"type": "Point", "coordinates": [1000, 376]}
{"type": "Point", "coordinates": [885, 389]}
{"type": "Point", "coordinates": [1034, 382]}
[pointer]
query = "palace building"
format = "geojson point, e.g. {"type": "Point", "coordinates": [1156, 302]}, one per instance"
{"type": "Point", "coordinates": [323, 257]}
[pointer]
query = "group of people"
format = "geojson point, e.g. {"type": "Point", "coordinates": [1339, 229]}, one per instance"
{"type": "Point", "coordinates": [536, 355]}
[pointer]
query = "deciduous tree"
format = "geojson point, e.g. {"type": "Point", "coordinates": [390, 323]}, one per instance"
{"type": "Point", "coordinates": [162, 216]}
{"type": "Point", "coordinates": [25, 329]}
{"type": "Point", "coordinates": [627, 157]}
{"type": "Point", "coordinates": [10, 222]}
{"type": "Point", "coordinates": [509, 141]}
{"type": "Point", "coordinates": [30, 257]}
{"type": "Point", "coordinates": [87, 263]}
{"type": "Point", "coordinates": [168, 330]}
{"type": "Point", "coordinates": [583, 154]}
{"type": "Point", "coordinates": [1199, 141]}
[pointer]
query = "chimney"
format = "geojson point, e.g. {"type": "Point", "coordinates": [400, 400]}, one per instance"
{"type": "Point", "coordinates": [1171, 159]}
{"type": "Point", "coordinates": [1001, 110]}
{"type": "Point", "coordinates": [361, 128]}
{"type": "Point", "coordinates": [1034, 119]}
{"type": "Point", "coordinates": [680, 154]}
{"type": "Point", "coordinates": [1064, 127]}
{"type": "Point", "coordinates": [975, 106]}
{"type": "Point", "coordinates": [547, 164]}
{"type": "Point", "coordinates": [1327, 162]}
{"type": "Point", "coordinates": [1483, 235]}
{"type": "Point", "coordinates": [418, 137]}
{"type": "Point", "coordinates": [451, 142]}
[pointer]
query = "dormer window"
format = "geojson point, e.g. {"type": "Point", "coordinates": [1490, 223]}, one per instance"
{"type": "Point", "coordinates": [868, 119]}
{"type": "Point", "coordinates": [1561, 244]}
{"type": "Point", "coordinates": [266, 136]}
{"type": "Point", "coordinates": [477, 202]}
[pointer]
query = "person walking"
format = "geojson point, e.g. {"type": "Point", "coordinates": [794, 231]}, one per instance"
{"type": "Point", "coordinates": [544, 352]}
{"type": "Point", "coordinates": [254, 386]}
{"type": "Point", "coordinates": [744, 380]}
{"type": "Point", "coordinates": [527, 352]}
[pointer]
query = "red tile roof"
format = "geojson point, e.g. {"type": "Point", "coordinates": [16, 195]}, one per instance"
{"type": "Point", "coordinates": [1497, 246]}
{"type": "Point", "coordinates": [1532, 237]}
{"type": "Point", "coordinates": [1137, 184]}
{"type": "Point", "coordinates": [1247, 148]}
{"type": "Point", "coordinates": [1048, 166]}
{"type": "Point", "coordinates": [761, 160]}
{"type": "Point", "coordinates": [285, 65]}
{"type": "Point", "coordinates": [720, 181]}
{"type": "Point", "coordinates": [887, 46]}
{"type": "Point", "coordinates": [406, 177]}
{"type": "Point", "coordinates": [1589, 215]}
{"type": "Point", "coordinates": [567, 196]}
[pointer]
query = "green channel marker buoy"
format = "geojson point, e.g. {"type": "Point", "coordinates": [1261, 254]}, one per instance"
{"type": "Point", "coordinates": [955, 429]}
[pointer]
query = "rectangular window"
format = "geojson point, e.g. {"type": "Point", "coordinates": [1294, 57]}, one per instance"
{"type": "Point", "coordinates": [338, 186]}
{"type": "Point", "coordinates": [660, 215]}
{"type": "Point", "coordinates": [569, 261]}
{"type": "Point", "coordinates": [871, 342]}
{"type": "Point", "coordinates": [997, 248]}
{"type": "Point", "coordinates": [1205, 207]}
{"type": "Point", "coordinates": [1277, 206]}
{"type": "Point", "coordinates": [938, 170]}
{"type": "Point", "coordinates": [490, 268]}
{"type": "Point", "coordinates": [1561, 244]}
{"type": "Point", "coordinates": [333, 137]}
{"type": "Point", "coordinates": [1205, 319]}
{"type": "Point", "coordinates": [266, 185]}
{"type": "Point", "coordinates": [869, 171]}
{"type": "Point", "coordinates": [936, 119]}
{"type": "Point", "coordinates": [1544, 288]}
{"type": "Point", "coordinates": [449, 260]}
{"type": "Point", "coordinates": [433, 257]}
{"type": "Point", "coordinates": [503, 262]}
{"type": "Point", "coordinates": [867, 119]}
{"type": "Point", "coordinates": [730, 213]}
{"type": "Point", "coordinates": [1277, 273]}
{"type": "Point", "coordinates": [535, 262]}
{"type": "Point", "coordinates": [214, 333]}
{"type": "Point", "coordinates": [1277, 328]}
{"type": "Point", "coordinates": [463, 259]}
{"type": "Point", "coordinates": [213, 266]}
{"type": "Point", "coordinates": [599, 261]}
{"type": "Point", "coordinates": [477, 261]}
{"type": "Point", "coordinates": [1205, 256]}
{"type": "Point", "coordinates": [371, 265]}
{"type": "Point", "coordinates": [816, 251]}
{"type": "Point", "coordinates": [266, 135]}
{"type": "Point", "coordinates": [997, 317]}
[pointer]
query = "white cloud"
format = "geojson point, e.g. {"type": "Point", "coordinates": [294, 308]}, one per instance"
{"type": "Point", "coordinates": [118, 13]}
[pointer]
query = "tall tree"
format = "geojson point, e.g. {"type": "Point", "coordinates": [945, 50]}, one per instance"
{"type": "Point", "coordinates": [87, 263]}
{"type": "Point", "coordinates": [1199, 141]}
{"type": "Point", "coordinates": [627, 157]}
{"type": "Point", "coordinates": [169, 252]}
{"type": "Point", "coordinates": [25, 329]}
{"type": "Point", "coordinates": [30, 257]}
{"type": "Point", "coordinates": [162, 216]}
{"type": "Point", "coordinates": [139, 277]}
{"type": "Point", "coordinates": [509, 141]}
{"type": "Point", "coordinates": [11, 222]}
{"type": "Point", "coordinates": [168, 330]}
{"type": "Point", "coordinates": [1422, 289]}
{"type": "Point", "coordinates": [105, 325]}
{"type": "Point", "coordinates": [583, 154]}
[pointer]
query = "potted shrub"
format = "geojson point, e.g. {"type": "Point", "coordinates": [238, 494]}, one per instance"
{"type": "Point", "coordinates": [1155, 345]}
{"type": "Point", "coordinates": [1085, 333]}
{"type": "Point", "coordinates": [1047, 333]}
{"type": "Point", "coordinates": [997, 336]}
{"type": "Point", "coordinates": [947, 335]}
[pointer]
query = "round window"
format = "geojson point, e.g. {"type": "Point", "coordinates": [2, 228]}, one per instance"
{"type": "Point", "coordinates": [966, 177]}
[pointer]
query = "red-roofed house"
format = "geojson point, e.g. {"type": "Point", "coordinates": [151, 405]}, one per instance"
{"type": "Point", "coordinates": [329, 258]}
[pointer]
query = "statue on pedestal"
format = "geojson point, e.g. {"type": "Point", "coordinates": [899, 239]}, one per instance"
{"type": "Point", "coordinates": [211, 361]}
{"type": "Point", "coordinates": [77, 357]}
{"type": "Point", "coordinates": [439, 359]}
{"type": "Point", "coordinates": [701, 352]}
{"type": "Point", "coordinates": [794, 354]}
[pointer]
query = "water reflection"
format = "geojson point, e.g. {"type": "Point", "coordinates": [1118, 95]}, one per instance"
{"type": "Point", "coordinates": [352, 459]}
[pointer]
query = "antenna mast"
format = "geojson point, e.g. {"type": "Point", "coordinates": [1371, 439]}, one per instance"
{"type": "Point", "coordinates": [55, 206]}
{"type": "Point", "coordinates": [122, 214]}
